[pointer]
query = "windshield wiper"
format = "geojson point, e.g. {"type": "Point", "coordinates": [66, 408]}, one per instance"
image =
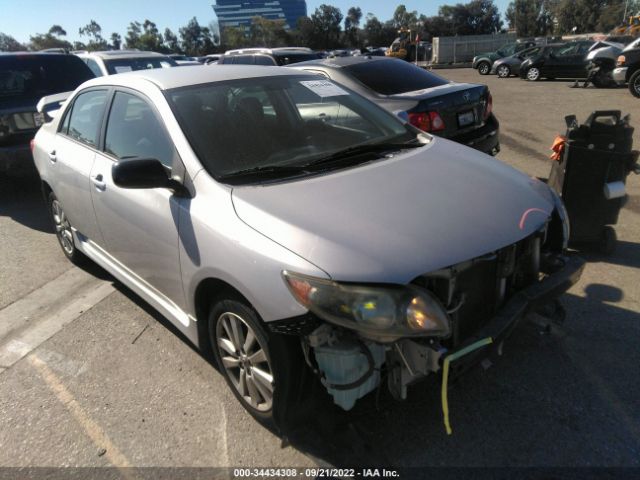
{"type": "Point", "coordinates": [358, 150]}
{"type": "Point", "coordinates": [265, 170]}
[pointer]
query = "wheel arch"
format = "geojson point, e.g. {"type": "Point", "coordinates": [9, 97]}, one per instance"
{"type": "Point", "coordinates": [208, 290]}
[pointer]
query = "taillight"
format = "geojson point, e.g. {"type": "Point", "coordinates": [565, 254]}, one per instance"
{"type": "Point", "coordinates": [488, 107]}
{"type": "Point", "coordinates": [32, 144]}
{"type": "Point", "coordinates": [427, 121]}
{"type": "Point", "coordinates": [621, 60]}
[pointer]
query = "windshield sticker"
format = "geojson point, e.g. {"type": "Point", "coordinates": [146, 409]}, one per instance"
{"type": "Point", "coordinates": [324, 88]}
{"type": "Point", "coordinates": [123, 69]}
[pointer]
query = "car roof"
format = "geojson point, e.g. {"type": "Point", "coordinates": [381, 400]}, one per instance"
{"type": "Point", "coordinates": [168, 78]}
{"type": "Point", "coordinates": [121, 54]}
{"type": "Point", "coordinates": [339, 62]}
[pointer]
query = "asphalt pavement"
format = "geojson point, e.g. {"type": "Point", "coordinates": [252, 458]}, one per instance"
{"type": "Point", "coordinates": [90, 376]}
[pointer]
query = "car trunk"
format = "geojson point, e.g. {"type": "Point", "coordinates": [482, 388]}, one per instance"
{"type": "Point", "coordinates": [461, 106]}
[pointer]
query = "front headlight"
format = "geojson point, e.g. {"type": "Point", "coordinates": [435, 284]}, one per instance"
{"type": "Point", "coordinates": [564, 218]}
{"type": "Point", "coordinates": [393, 311]}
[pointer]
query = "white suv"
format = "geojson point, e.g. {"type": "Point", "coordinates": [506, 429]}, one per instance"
{"type": "Point", "coordinates": [121, 61]}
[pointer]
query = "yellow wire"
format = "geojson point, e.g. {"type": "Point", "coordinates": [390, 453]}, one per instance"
{"type": "Point", "coordinates": [445, 376]}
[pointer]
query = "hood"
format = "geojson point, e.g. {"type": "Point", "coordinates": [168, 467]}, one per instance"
{"type": "Point", "coordinates": [392, 220]}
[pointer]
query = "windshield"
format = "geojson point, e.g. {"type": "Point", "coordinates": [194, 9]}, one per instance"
{"type": "Point", "coordinates": [123, 65]}
{"type": "Point", "coordinates": [391, 77]}
{"type": "Point", "coordinates": [34, 76]}
{"type": "Point", "coordinates": [281, 121]}
{"type": "Point", "coordinates": [632, 45]}
{"type": "Point", "coordinates": [506, 50]}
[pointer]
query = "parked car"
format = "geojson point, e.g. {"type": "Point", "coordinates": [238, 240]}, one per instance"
{"type": "Point", "coordinates": [24, 79]}
{"type": "Point", "coordinates": [121, 61]}
{"type": "Point", "coordinates": [267, 56]}
{"type": "Point", "coordinates": [601, 61]}
{"type": "Point", "coordinates": [462, 112]}
{"type": "Point", "coordinates": [553, 61]}
{"type": "Point", "coordinates": [628, 68]}
{"type": "Point", "coordinates": [483, 61]}
{"type": "Point", "coordinates": [507, 66]}
{"type": "Point", "coordinates": [182, 60]}
{"type": "Point", "coordinates": [368, 245]}
{"type": "Point", "coordinates": [209, 59]}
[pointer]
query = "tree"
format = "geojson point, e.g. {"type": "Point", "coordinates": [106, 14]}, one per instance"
{"type": "Point", "coordinates": [116, 41]}
{"type": "Point", "coordinates": [351, 24]}
{"type": "Point", "coordinates": [376, 33]}
{"type": "Point", "coordinates": [233, 37]}
{"type": "Point", "coordinates": [134, 30]}
{"type": "Point", "coordinates": [612, 15]}
{"type": "Point", "coordinates": [581, 15]}
{"type": "Point", "coordinates": [93, 31]}
{"type": "Point", "coordinates": [10, 44]}
{"type": "Point", "coordinates": [171, 41]}
{"type": "Point", "coordinates": [51, 39]}
{"type": "Point", "coordinates": [474, 18]}
{"type": "Point", "coordinates": [404, 19]}
{"type": "Point", "coordinates": [268, 33]}
{"type": "Point", "coordinates": [58, 31]}
{"type": "Point", "coordinates": [150, 38]}
{"type": "Point", "coordinates": [196, 40]}
{"type": "Point", "coordinates": [326, 26]}
{"type": "Point", "coordinates": [483, 17]}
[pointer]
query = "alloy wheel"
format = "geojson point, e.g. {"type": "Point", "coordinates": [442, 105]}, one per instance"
{"type": "Point", "coordinates": [63, 227]}
{"type": "Point", "coordinates": [503, 71]}
{"type": "Point", "coordinates": [533, 74]}
{"type": "Point", "coordinates": [245, 361]}
{"type": "Point", "coordinates": [483, 68]}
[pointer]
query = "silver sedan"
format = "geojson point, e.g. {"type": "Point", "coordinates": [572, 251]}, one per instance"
{"type": "Point", "coordinates": [293, 228]}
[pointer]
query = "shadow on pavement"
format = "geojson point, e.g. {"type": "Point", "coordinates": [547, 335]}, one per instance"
{"type": "Point", "coordinates": [21, 200]}
{"type": "Point", "coordinates": [626, 254]}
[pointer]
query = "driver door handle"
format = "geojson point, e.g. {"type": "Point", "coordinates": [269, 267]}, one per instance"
{"type": "Point", "coordinates": [98, 183]}
{"type": "Point", "coordinates": [52, 156]}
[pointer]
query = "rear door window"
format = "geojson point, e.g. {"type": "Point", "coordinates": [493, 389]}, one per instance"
{"type": "Point", "coordinates": [391, 77]}
{"type": "Point", "coordinates": [83, 122]}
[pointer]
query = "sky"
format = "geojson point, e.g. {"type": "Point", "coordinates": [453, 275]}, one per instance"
{"type": "Point", "coordinates": [22, 18]}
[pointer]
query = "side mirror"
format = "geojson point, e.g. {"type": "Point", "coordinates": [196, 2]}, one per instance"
{"type": "Point", "coordinates": [141, 173]}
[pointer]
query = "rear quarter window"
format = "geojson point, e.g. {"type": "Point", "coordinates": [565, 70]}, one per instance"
{"type": "Point", "coordinates": [392, 77]}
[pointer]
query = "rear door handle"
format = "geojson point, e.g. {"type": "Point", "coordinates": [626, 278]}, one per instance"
{"type": "Point", "coordinates": [52, 156]}
{"type": "Point", "coordinates": [98, 183]}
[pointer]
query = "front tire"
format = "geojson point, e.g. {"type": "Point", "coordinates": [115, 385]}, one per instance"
{"type": "Point", "coordinates": [64, 231]}
{"type": "Point", "coordinates": [260, 367]}
{"type": "Point", "coordinates": [484, 68]}
{"type": "Point", "coordinates": [533, 74]}
{"type": "Point", "coordinates": [634, 84]}
{"type": "Point", "coordinates": [503, 71]}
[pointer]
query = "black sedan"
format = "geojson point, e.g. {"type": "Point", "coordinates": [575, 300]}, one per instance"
{"type": "Point", "coordinates": [461, 112]}
{"type": "Point", "coordinates": [558, 61]}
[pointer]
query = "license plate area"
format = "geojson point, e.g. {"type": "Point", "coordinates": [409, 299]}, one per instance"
{"type": "Point", "coordinates": [466, 118]}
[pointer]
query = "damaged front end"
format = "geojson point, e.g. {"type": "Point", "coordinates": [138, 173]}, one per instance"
{"type": "Point", "coordinates": [409, 331]}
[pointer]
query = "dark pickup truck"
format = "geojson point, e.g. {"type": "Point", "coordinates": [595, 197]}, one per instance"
{"type": "Point", "coordinates": [628, 68]}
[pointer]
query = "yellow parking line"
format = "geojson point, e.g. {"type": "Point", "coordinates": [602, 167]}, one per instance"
{"type": "Point", "coordinates": [97, 435]}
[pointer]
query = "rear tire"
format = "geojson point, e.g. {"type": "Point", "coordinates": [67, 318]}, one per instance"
{"type": "Point", "coordinates": [634, 84]}
{"type": "Point", "coordinates": [484, 68]}
{"type": "Point", "coordinates": [533, 74]}
{"type": "Point", "coordinates": [261, 368]}
{"type": "Point", "coordinates": [64, 231]}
